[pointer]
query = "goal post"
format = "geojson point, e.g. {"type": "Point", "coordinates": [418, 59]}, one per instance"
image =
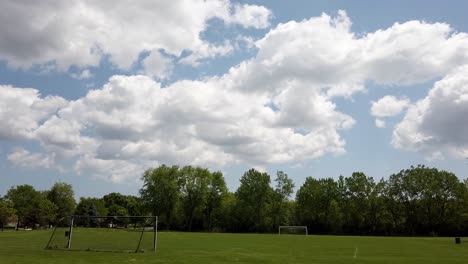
{"type": "Point", "coordinates": [105, 233]}
{"type": "Point", "coordinates": [293, 230]}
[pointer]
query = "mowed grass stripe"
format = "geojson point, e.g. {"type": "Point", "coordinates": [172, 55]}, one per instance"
{"type": "Point", "coordinates": [177, 247]}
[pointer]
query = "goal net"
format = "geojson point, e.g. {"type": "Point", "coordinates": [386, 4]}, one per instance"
{"type": "Point", "coordinates": [105, 233]}
{"type": "Point", "coordinates": [293, 230]}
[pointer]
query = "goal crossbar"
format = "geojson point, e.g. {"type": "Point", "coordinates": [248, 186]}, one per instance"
{"type": "Point", "coordinates": [293, 227]}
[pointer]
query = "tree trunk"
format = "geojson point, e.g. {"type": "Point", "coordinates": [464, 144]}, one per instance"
{"type": "Point", "coordinates": [209, 220]}
{"type": "Point", "coordinates": [190, 221]}
{"type": "Point", "coordinates": [168, 217]}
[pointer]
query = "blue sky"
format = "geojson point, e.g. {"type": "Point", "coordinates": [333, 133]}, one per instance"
{"type": "Point", "coordinates": [94, 94]}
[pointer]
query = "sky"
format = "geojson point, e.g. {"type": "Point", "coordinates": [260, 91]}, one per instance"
{"type": "Point", "coordinates": [93, 93]}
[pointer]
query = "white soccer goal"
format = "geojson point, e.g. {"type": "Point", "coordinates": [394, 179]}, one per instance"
{"type": "Point", "coordinates": [293, 230]}
{"type": "Point", "coordinates": [105, 233]}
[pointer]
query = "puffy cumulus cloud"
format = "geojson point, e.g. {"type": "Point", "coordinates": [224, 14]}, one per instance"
{"type": "Point", "coordinates": [112, 170]}
{"type": "Point", "coordinates": [23, 158]}
{"type": "Point", "coordinates": [272, 108]}
{"type": "Point", "coordinates": [79, 33]}
{"type": "Point", "coordinates": [157, 65]}
{"type": "Point", "coordinates": [438, 123]}
{"type": "Point", "coordinates": [413, 52]}
{"type": "Point", "coordinates": [22, 110]}
{"type": "Point", "coordinates": [64, 137]}
{"type": "Point", "coordinates": [389, 106]}
{"type": "Point", "coordinates": [250, 16]}
{"type": "Point", "coordinates": [318, 53]}
{"type": "Point", "coordinates": [84, 74]}
{"type": "Point", "coordinates": [132, 123]}
{"type": "Point", "coordinates": [202, 123]}
{"type": "Point", "coordinates": [434, 156]}
{"type": "Point", "coordinates": [207, 51]}
{"type": "Point", "coordinates": [323, 53]}
{"type": "Point", "coordinates": [380, 123]}
{"type": "Point", "coordinates": [321, 57]}
{"type": "Point", "coordinates": [306, 109]}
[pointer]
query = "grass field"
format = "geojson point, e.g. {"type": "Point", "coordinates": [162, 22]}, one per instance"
{"type": "Point", "coordinates": [173, 247]}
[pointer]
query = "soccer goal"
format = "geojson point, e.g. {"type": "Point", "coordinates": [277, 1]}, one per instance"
{"type": "Point", "coordinates": [293, 230]}
{"type": "Point", "coordinates": [105, 233]}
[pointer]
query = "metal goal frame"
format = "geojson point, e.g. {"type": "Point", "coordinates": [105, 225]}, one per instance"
{"type": "Point", "coordinates": [69, 233]}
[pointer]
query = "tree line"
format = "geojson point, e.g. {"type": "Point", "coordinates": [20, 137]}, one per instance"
{"type": "Point", "coordinates": [415, 201]}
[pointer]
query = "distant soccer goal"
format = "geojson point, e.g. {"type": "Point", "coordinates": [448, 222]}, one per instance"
{"type": "Point", "coordinates": [293, 230]}
{"type": "Point", "coordinates": [105, 233]}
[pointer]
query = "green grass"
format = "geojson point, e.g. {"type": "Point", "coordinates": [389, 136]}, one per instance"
{"type": "Point", "coordinates": [174, 247]}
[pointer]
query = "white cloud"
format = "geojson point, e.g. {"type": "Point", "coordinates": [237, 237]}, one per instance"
{"type": "Point", "coordinates": [207, 51]}
{"type": "Point", "coordinates": [438, 122]}
{"type": "Point", "coordinates": [22, 110]}
{"type": "Point", "coordinates": [380, 123]}
{"type": "Point", "coordinates": [274, 108]}
{"type": "Point", "coordinates": [84, 74]}
{"type": "Point", "coordinates": [413, 52]}
{"type": "Point", "coordinates": [59, 132]}
{"type": "Point", "coordinates": [23, 158]}
{"type": "Point", "coordinates": [323, 53]}
{"type": "Point", "coordinates": [79, 33]}
{"type": "Point", "coordinates": [132, 123]}
{"type": "Point", "coordinates": [250, 16]}
{"type": "Point", "coordinates": [245, 41]}
{"type": "Point", "coordinates": [158, 65]}
{"type": "Point", "coordinates": [113, 170]}
{"type": "Point", "coordinates": [389, 106]}
{"type": "Point", "coordinates": [434, 156]}
{"type": "Point", "coordinates": [305, 109]}
{"type": "Point", "coordinates": [305, 53]}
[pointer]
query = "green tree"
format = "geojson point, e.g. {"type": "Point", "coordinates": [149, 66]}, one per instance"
{"type": "Point", "coordinates": [357, 204]}
{"type": "Point", "coordinates": [62, 195]}
{"type": "Point", "coordinates": [160, 191]}
{"type": "Point", "coordinates": [253, 201]}
{"type": "Point", "coordinates": [228, 217]}
{"type": "Point", "coordinates": [90, 207]}
{"type": "Point", "coordinates": [393, 205]}
{"type": "Point", "coordinates": [123, 205]}
{"type": "Point", "coordinates": [442, 200]}
{"type": "Point", "coordinates": [194, 191]}
{"type": "Point", "coordinates": [7, 212]}
{"type": "Point", "coordinates": [378, 216]}
{"type": "Point", "coordinates": [335, 218]}
{"type": "Point", "coordinates": [47, 210]}
{"type": "Point", "coordinates": [134, 205]}
{"type": "Point", "coordinates": [26, 201]}
{"type": "Point", "coordinates": [117, 210]}
{"type": "Point", "coordinates": [463, 208]}
{"type": "Point", "coordinates": [217, 191]}
{"type": "Point", "coordinates": [427, 201]}
{"type": "Point", "coordinates": [114, 199]}
{"type": "Point", "coordinates": [280, 208]}
{"type": "Point", "coordinates": [317, 205]}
